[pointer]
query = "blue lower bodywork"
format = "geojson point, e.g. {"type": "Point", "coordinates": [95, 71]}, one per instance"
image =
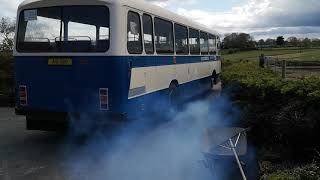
{"type": "Point", "coordinates": [75, 89]}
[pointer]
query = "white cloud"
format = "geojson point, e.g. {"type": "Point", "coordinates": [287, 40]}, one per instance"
{"type": "Point", "coordinates": [258, 16]}
{"type": "Point", "coordinates": [9, 7]}
{"type": "Point", "coordinates": [166, 3]}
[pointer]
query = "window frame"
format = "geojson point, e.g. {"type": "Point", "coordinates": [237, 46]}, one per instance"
{"type": "Point", "coordinates": [208, 50]}
{"type": "Point", "coordinates": [175, 39]}
{"type": "Point", "coordinates": [172, 38]}
{"type": "Point", "coordinates": [195, 30]}
{"type": "Point", "coordinates": [152, 35]}
{"type": "Point", "coordinates": [214, 44]}
{"type": "Point", "coordinates": [140, 34]}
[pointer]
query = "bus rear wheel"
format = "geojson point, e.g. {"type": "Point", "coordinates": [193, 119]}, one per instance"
{"type": "Point", "coordinates": [214, 80]}
{"type": "Point", "coordinates": [174, 94]}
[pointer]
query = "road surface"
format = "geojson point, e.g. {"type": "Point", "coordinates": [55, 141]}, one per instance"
{"type": "Point", "coordinates": [35, 155]}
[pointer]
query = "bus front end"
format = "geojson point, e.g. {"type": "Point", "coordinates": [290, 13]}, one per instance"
{"type": "Point", "coordinates": [62, 67]}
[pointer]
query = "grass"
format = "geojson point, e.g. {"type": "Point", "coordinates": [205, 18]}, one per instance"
{"type": "Point", "coordinates": [285, 53]}
{"type": "Point", "coordinates": [308, 172]}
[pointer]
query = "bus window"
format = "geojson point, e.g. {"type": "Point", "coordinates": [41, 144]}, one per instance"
{"type": "Point", "coordinates": [204, 46]}
{"type": "Point", "coordinates": [134, 33]}
{"type": "Point", "coordinates": [181, 34]}
{"type": "Point", "coordinates": [78, 32]}
{"type": "Point", "coordinates": [63, 29]}
{"type": "Point", "coordinates": [103, 33]}
{"type": "Point", "coordinates": [148, 34]}
{"type": "Point", "coordinates": [37, 35]}
{"type": "Point", "coordinates": [194, 42]}
{"type": "Point", "coordinates": [163, 36]}
{"type": "Point", "coordinates": [212, 44]}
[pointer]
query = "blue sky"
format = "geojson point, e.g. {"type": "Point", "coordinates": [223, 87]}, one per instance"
{"type": "Point", "coordinates": [260, 18]}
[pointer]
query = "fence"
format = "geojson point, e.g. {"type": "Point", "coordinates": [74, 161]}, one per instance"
{"type": "Point", "coordinates": [293, 69]}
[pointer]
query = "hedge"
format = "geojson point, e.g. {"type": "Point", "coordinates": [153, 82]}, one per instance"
{"type": "Point", "coordinates": [265, 81]}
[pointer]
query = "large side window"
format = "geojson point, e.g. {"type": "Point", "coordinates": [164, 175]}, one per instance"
{"type": "Point", "coordinates": [148, 34]}
{"type": "Point", "coordinates": [204, 46]}
{"type": "Point", "coordinates": [134, 33]}
{"type": "Point", "coordinates": [212, 44]}
{"type": "Point", "coordinates": [194, 42]}
{"type": "Point", "coordinates": [163, 36]}
{"type": "Point", "coordinates": [181, 34]}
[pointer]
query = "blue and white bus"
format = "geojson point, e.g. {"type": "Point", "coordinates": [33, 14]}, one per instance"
{"type": "Point", "coordinates": [107, 57]}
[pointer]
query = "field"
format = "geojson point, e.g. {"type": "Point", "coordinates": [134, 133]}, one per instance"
{"type": "Point", "coordinates": [283, 53]}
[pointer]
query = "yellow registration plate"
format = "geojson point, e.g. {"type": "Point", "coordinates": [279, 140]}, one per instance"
{"type": "Point", "coordinates": [60, 62]}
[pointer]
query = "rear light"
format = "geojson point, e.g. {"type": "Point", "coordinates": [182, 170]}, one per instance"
{"type": "Point", "coordinates": [23, 95]}
{"type": "Point", "coordinates": [104, 99]}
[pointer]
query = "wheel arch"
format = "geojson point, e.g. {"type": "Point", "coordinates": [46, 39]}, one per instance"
{"type": "Point", "coordinates": [175, 82]}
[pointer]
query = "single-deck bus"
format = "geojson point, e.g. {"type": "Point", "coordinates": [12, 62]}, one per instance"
{"type": "Point", "coordinates": [107, 58]}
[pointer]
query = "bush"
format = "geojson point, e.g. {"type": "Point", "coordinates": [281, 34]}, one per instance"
{"type": "Point", "coordinates": [266, 82]}
{"type": "Point", "coordinates": [308, 172]}
{"type": "Point", "coordinates": [6, 73]}
{"type": "Point", "coordinates": [283, 114]}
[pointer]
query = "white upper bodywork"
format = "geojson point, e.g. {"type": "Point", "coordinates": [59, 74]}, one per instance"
{"type": "Point", "coordinates": [118, 21]}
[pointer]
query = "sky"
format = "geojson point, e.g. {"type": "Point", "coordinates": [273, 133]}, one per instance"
{"type": "Point", "coordinates": [260, 18]}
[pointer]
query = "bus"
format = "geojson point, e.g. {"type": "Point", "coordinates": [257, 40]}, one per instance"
{"type": "Point", "coordinates": [107, 58]}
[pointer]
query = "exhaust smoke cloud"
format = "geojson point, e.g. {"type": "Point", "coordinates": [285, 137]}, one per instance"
{"type": "Point", "coordinates": [171, 151]}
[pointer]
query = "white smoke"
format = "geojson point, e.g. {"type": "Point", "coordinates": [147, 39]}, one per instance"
{"type": "Point", "coordinates": [170, 152]}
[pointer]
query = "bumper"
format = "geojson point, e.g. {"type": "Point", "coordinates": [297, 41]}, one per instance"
{"type": "Point", "coordinates": [55, 121]}
{"type": "Point", "coordinates": [42, 115]}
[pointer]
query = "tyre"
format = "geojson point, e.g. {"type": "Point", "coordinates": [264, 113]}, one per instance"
{"type": "Point", "coordinates": [173, 94]}
{"type": "Point", "coordinates": [214, 80]}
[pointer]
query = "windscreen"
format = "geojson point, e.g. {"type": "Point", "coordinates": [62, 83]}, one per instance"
{"type": "Point", "coordinates": [64, 29]}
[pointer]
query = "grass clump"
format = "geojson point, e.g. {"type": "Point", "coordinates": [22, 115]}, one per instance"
{"type": "Point", "coordinates": [308, 172]}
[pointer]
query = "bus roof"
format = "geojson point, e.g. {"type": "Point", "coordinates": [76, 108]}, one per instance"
{"type": "Point", "coordinates": [136, 4]}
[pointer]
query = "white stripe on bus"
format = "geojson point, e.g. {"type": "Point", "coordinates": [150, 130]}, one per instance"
{"type": "Point", "coordinates": [157, 78]}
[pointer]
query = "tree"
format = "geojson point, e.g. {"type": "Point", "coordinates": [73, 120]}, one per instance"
{"type": "Point", "coordinates": [238, 41]}
{"type": "Point", "coordinates": [7, 27]}
{"type": "Point", "coordinates": [261, 43]}
{"type": "Point", "coordinates": [316, 42]}
{"type": "Point", "coordinates": [280, 41]}
{"type": "Point", "coordinates": [306, 42]}
{"type": "Point", "coordinates": [293, 41]}
{"type": "Point", "coordinates": [270, 42]}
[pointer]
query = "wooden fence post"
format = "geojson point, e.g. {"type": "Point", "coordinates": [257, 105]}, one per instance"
{"type": "Point", "coordinates": [284, 68]}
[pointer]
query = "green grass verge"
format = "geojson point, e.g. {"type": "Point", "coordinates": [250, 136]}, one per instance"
{"type": "Point", "coordinates": [290, 54]}
{"type": "Point", "coordinates": [308, 172]}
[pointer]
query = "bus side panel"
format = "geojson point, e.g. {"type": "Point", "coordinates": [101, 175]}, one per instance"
{"type": "Point", "coordinates": [155, 73]}
{"type": "Point", "coordinates": [158, 101]}
{"type": "Point", "coordinates": [151, 77]}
